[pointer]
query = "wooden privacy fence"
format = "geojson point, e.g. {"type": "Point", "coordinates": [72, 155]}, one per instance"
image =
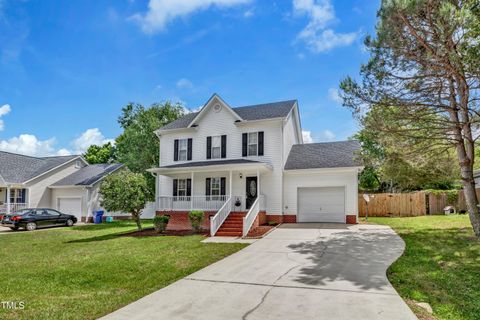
{"type": "Point", "coordinates": [394, 204]}
{"type": "Point", "coordinates": [409, 204]}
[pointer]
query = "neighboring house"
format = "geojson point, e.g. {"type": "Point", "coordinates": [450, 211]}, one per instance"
{"type": "Point", "coordinates": [65, 183]}
{"type": "Point", "coordinates": [252, 160]}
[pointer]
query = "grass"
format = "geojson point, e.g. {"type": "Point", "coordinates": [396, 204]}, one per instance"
{"type": "Point", "coordinates": [441, 264]}
{"type": "Point", "coordinates": [85, 272]}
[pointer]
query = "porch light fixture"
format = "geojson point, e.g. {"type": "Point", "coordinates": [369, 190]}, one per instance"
{"type": "Point", "coordinates": [241, 175]}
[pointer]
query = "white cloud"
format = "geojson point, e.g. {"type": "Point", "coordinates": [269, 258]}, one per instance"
{"type": "Point", "coordinates": [28, 144]}
{"type": "Point", "coordinates": [64, 152]}
{"type": "Point", "coordinates": [249, 13]}
{"type": "Point", "coordinates": [327, 135]}
{"type": "Point", "coordinates": [3, 111]}
{"type": "Point", "coordinates": [316, 35]}
{"type": "Point", "coordinates": [184, 84]}
{"type": "Point", "coordinates": [307, 136]}
{"type": "Point", "coordinates": [334, 95]}
{"type": "Point", "coordinates": [161, 12]}
{"type": "Point", "coordinates": [89, 137]}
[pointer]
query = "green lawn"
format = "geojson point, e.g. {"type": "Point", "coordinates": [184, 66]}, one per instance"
{"type": "Point", "coordinates": [85, 272]}
{"type": "Point", "coordinates": [441, 264]}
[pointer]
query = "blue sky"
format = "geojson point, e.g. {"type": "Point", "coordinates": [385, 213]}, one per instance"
{"type": "Point", "coordinates": [68, 67]}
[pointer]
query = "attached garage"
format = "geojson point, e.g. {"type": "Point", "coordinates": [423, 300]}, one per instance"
{"type": "Point", "coordinates": [322, 204]}
{"type": "Point", "coordinates": [71, 206]}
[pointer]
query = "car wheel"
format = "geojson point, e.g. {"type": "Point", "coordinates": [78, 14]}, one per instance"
{"type": "Point", "coordinates": [31, 226]}
{"type": "Point", "coordinates": [14, 228]}
{"type": "Point", "coordinates": [70, 223]}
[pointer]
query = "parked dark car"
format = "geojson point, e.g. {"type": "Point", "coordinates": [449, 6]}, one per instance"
{"type": "Point", "coordinates": [31, 219]}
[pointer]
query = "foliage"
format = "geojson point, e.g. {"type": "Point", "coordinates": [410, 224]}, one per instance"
{"type": "Point", "coordinates": [100, 154]}
{"type": "Point", "coordinates": [160, 223]}
{"type": "Point", "coordinates": [452, 195]}
{"type": "Point", "coordinates": [125, 191]}
{"type": "Point", "coordinates": [439, 266]}
{"type": "Point", "coordinates": [196, 219]}
{"type": "Point", "coordinates": [390, 164]}
{"type": "Point", "coordinates": [424, 73]}
{"type": "Point", "coordinates": [107, 271]}
{"type": "Point", "coordinates": [138, 145]}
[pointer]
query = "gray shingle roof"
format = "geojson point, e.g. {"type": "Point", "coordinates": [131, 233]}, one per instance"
{"type": "Point", "coordinates": [17, 168]}
{"type": "Point", "coordinates": [210, 163]}
{"type": "Point", "coordinates": [323, 155]}
{"type": "Point", "coordinates": [88, 175]}
{"type": "Point", "coordinates": [254, 112]}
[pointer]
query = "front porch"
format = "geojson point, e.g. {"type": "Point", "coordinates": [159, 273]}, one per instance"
{"type": "Point", "coordinates": [218, 190]}
{"type": "Point", "coordinates": [13, 199]}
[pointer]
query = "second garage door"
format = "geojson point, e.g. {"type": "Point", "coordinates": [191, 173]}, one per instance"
{"type": "Point", "coordinates": [71, 206]}
{"type": "Point", "coordinates": [325, 204]}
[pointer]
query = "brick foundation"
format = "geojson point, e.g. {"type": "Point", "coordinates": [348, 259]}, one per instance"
{"type": "Point", "coordinates": [179, 220]}
{"type": "Point", "coordinates": [351, 219]}
{"type": "Point", "coordinates": [278, 218]}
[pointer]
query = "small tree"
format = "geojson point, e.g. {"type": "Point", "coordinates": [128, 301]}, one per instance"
{"type": "Point", "coordinates": [160, 223]}
{"type": "Point", "coordinates": [125, 191]}
{"type": "Point", "coordinates": [196, 219]}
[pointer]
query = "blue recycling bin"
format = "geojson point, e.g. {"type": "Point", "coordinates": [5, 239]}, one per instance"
{"type": "Point", "coordinates": [98, 215]}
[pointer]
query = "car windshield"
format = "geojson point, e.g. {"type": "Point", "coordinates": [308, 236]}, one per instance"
{"type": "Point", "coordinates": [21, 212]}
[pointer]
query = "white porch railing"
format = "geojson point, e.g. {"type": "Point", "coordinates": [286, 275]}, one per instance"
{"type": "Point", "coordinates": [251, 216]}
{"type": "Point", "coordinates": [184, 203]}
{"type": "Point", "coordinates": [13, 207]}
{"type": "Point", "coordinates": [219, 218]}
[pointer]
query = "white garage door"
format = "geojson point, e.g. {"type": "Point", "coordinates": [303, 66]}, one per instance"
{"type": "Point", "coordinates": [71, 206]}
{"type": "Point", "coordinates": [326, 204]}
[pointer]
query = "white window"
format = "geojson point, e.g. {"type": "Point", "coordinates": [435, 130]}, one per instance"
{"type": "Point", "coordinates": [182, 187]}
{"type": "Point", "coordinates": [216, 147]}
{"type": "Point", "coordinates": [182, 149]}
{"type": "Point", "coordinates": [215, 187]}
{"type": "Point", "coordinates": [16, 195]}
{"type": "Point", "coordinates": [253, 143]}
{"type": "Point", "coordinates": [77, 164]}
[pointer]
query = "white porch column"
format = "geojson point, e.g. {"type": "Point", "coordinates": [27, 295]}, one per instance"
{"type": "Point", "coordinates": [230, 184]}
{"type": "Point", "coordinates": [8, 199]}
{"type": "Point", "coordinates": [191, 190]}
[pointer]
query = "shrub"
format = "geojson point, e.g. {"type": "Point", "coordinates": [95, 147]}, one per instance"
{"type": "Point", "coordinates": [196, 219]}
{"type": "Point", "coordinates": [160, 223]}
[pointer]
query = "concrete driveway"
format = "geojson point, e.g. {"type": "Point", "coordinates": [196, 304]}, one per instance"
{"type": "Point", "coordinates": [299, 271]}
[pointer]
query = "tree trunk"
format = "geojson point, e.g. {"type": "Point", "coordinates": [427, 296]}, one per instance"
{"type": "Point", "coordinates": [471, 199]}
{"type": "Point", "coordinates": [136, 216]}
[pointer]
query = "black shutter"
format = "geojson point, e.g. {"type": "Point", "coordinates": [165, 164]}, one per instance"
{"type": "Point", "coordinates": [207, 188]}
{"type": "Point", "coordinates": [175, 152]}
{"type": "Point", "coordinates": [209, 147]}
{"type": "Point", "coordinates": [189, 187]}
{"type": "Point", "coordinates": [222, 186]}
{"type": "Point", "coordinates": [244, 144]}
{"type": "Point", "coordinates": [189, 150]}
{"type": "Point", "coordinates": [175, 189]}
{"type": "Point", "coordinates": [260, 143]}
{"type": "Point", "coordinates": [224, 146]}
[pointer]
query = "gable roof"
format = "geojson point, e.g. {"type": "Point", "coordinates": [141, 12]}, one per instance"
{"type": "Point", "coordinates": [339, 154]}
{"type": "Point", "coordinates": [17, 168]}
{"type": "Point", "coordinates": [88, 175]}
{"type": "Point", "coordinates": [264, 111]}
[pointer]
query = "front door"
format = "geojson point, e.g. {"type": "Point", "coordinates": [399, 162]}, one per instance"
{"type": "Point", "coordinates": [251, 192]}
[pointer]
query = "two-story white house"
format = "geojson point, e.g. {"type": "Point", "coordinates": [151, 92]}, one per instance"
{"type": "Point", "coordinates": [246, 166]}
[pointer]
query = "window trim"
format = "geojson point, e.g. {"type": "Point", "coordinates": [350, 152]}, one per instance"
{"type": "Point", "coordinates": [212, 147]}
{"type": "Point", "coordinates": [180, 149]}
{"type": "Point", "coordinates": [252, 144]}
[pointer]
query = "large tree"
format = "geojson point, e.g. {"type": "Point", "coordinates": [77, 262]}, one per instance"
{"type": "Point", "coordinates": [424, 61]}
{"type": "Point", "coordinates": [101, 154]}
{"type": "Point", "coordinates": [138, 146]}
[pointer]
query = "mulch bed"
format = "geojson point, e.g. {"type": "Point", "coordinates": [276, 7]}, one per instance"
{"type": "Point", "coordinates": [150, 232]}
{"type": "Point", "coordinates": [259, 231]}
